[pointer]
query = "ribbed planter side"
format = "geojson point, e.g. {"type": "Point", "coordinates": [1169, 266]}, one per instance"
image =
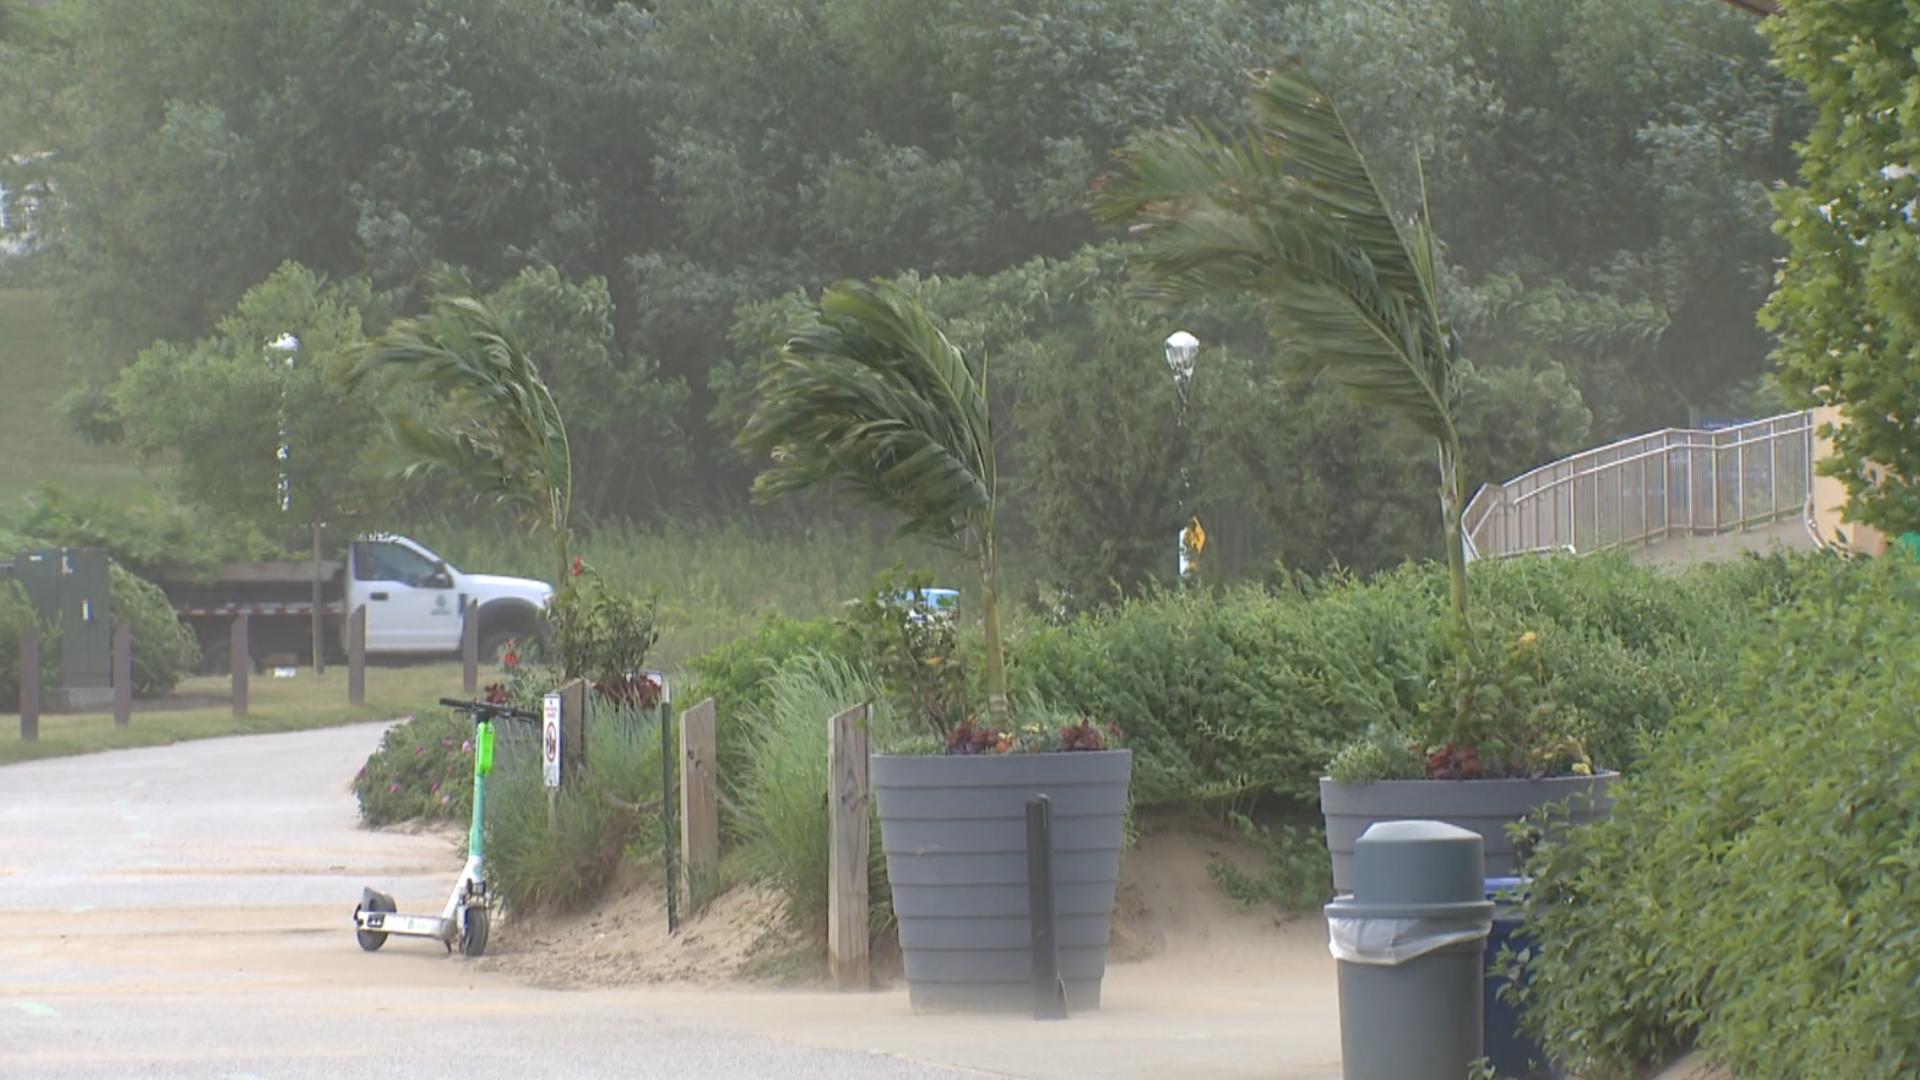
{"type": "Point", "coordinates": [955, 833]}
{"type": "Point", "coordinates": [1485, 806]}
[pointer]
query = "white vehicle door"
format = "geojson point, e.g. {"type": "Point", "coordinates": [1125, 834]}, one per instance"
{"type": "Point", "coordinates": [411, 603]}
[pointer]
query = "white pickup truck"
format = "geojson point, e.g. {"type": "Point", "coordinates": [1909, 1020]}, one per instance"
{"type": "Point", "coordinates": [414, 603]}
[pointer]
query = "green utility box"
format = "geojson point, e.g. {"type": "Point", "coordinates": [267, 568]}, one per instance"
{"type": "Point", "coordinates": [69, 589]}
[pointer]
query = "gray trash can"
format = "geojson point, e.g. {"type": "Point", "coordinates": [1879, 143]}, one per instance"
{"type": "Point", "coordinates": [1410, 941]}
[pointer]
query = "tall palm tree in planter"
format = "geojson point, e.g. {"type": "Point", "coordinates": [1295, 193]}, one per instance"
{"type": "Point", "coordinates": [1290, 212]}
{"type": "Point", "coordinates": [873, 396]}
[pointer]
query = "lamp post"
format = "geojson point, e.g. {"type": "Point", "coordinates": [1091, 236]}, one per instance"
{"type": "Point", "coordinates": [1181, 349]}
{"type": "Point", "coordinates": [288, 348]}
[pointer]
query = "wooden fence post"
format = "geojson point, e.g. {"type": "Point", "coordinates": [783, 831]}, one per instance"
{"type": "Point", "coordinates": [123, 675]}
{"type": "Point", "coordinates": [357, 656]}
{"type": "Point", "coordinates": [573, 730]}
{"type": "Point", "coordinates": [699, 803]}
{"type": "Point", "coordinates": [470, 648]}
{"type": "Point", "coordinates": [30, 684]}
{"type": "Point", "coordinates": [849, 793]}
{"type": "Point", "coordinates": [242, 659]}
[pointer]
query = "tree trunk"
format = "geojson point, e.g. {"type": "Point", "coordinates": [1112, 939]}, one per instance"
{"type": "Point", "coordinates": [996, 655]}
{"type": "Point", "coordinates": [1452, 506]}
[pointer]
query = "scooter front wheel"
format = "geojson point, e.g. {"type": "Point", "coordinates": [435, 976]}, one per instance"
{"type": "Point", "coordinates": [371, 940]}
{"type": "Point", "coordinates": [473, 935]}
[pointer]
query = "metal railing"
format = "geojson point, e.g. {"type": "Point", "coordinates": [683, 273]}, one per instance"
{"type": "Point", "coordinates": [1676, 482]}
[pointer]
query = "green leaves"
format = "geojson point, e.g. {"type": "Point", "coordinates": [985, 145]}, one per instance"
{"type": "Point", "coordinates": [874, 396]}
{"type": "Point", "coordinates": [499, 430]}
{"type": "Point", "coordinates": [1847, 302]}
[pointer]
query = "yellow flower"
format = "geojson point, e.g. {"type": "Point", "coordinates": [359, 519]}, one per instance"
{"type": "Point", "coordinates": [1581, 768]}
{"type": "Point", "coordinates": [1527, 639]}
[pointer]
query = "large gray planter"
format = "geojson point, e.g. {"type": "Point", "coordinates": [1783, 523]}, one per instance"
{"type": "Point", "coordinates": [1485, 806]}
{"type": "Point", "coordinates": [954, 830]}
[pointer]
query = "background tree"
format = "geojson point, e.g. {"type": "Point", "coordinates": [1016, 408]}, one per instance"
{"type": "Point", "coordinates": [874, 397]}
{"type": "Point", "coordinates": [210, 414]}
{"type": "Point", "coordinates": [1847, 304]}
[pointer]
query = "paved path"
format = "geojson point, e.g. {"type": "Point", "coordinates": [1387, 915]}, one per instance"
{"type": "Point", "coordinates": [183, 911]}
{"type": "Point", "coordinates": [1684, 551]}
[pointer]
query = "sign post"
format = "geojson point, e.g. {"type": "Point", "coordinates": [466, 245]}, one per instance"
{"type": "Point", "coordinates": [550, 738]}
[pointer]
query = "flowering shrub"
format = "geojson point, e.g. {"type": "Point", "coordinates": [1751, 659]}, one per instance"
{"type": "Point", "coordinates": [600, 633]}
{"type": "Point", "coordinates": [422, 770]}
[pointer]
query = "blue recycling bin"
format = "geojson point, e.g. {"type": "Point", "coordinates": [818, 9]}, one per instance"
{"type": "Point", "coordinates": [1508, 1048]}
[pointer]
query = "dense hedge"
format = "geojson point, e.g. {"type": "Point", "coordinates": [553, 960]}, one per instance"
{"type": "Point", "coordinates": [1243, 696]}
{"type": "Point", "coordinates": [1754, 887]}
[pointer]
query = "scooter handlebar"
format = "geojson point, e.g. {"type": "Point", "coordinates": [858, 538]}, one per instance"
{"type": "Point", "coordinates": [478, 709]}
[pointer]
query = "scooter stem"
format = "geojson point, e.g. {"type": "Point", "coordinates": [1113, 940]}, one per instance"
{"type": "Point", "coordinates": [482, 765]}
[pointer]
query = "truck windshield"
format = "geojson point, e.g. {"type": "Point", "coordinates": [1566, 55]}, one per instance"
{"type": "Point", "coordinates": [383, 560]}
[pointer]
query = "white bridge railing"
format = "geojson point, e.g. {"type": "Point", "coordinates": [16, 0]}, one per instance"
{"type": "Point", "coordinates": [1677, 482]}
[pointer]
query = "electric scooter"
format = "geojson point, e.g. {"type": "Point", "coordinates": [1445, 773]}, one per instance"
{"type": "Point", "coordinates": [464, 920]}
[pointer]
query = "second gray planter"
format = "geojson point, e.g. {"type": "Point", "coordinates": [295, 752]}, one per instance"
{"type": "Point", "coordinates": [1485, 806]}
{"type": "Point", "coordinates": [954, 832]}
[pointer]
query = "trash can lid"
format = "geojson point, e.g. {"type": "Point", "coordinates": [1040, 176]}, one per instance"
{"type": "Point", "coordinates": [1419, 862]}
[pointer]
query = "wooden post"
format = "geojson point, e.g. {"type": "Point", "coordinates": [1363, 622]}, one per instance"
{"type": "Point", "coordinates": [848, 795]}
{"type": "Point", "coordinates": [123, 675]}
{"type": "Point", "coordinates": [315, 622]}
{"type": "Point", "coordinates": [30, 684]}
{"type": "Point", "coordinates": [242, 660]}
{"type": "Point", "coordinates": [573, 730]}
{"type": "Point", "coordinates": [470, 648]}
{"type": "Point", "coordinates": [357, 656]}
{"type": "Point", "coordinates": [666, 817]}
{"type": "Point", "coordinates": [699, 803]}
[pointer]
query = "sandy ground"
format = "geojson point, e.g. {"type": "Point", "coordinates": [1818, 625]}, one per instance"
{"type": "Point", "coordinates": [184, 911]}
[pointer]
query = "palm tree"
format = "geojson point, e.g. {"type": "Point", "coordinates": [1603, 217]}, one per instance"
{"type": "Point", "coordinates": [507, 438]}
{"type": "Point", "coordinates": [1290, 213]}
{"type": "Point", "coordinates": [874, 397]}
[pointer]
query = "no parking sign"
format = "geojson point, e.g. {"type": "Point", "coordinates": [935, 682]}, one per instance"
{"type": "Point", "coordinates": [550, 738]}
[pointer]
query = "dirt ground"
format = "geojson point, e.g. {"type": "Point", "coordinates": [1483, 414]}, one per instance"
{"type": "Point", "coordinates": [1168, 911]}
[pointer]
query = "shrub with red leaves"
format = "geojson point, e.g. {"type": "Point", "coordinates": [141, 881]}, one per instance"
{"type": "Point", "coordinates": [1452, 762]}
{"type": "Point", "coordinates": [636, 691]}
{"type": "Point", "coordinates": [968, 737]}
{"type": "Point", "coordinates": [1082, 736]}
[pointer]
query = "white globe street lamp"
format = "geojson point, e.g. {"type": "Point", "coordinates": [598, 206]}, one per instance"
{"type": "Point", "coordinates": [1182, 349]}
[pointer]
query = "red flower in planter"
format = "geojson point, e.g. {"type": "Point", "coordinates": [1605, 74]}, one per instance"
{"type": "Point", "coordinates": [511, 658]}
{"type": "Point", "coordinates": [1452, 762]}
{"type": "Point", "coordinates": [579, 566]}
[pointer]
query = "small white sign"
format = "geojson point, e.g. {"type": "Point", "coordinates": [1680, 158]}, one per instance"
{"type": "Point", "coordinates": [550, 738]}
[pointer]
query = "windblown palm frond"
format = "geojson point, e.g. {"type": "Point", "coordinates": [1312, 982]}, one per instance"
{"type": "Point", "coordinates": [1289, 212]}
{"type": "Point", "coordinates": [872, 395]}
{"type": "Point", "coordinates": [509, 441]}
{"type": "Point", "coordinates": [875, 397]}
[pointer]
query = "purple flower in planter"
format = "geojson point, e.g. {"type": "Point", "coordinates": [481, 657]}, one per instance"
{"type": "Point", "coordinates": [467, 747]}
{"type": "Point", "coordinates": [444, 800]}
{"type": "Point", "coordinates": [435, 790]}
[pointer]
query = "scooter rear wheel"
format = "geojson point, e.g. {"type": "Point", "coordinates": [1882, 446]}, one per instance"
{"type": "Point", "coordinates": [371, 940]}
{"type": "Point", "coordinates": [473, 938]}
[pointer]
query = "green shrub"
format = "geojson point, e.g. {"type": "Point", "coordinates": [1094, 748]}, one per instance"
{"type": "Point", "coordinates": [1753, 887]}
{"type": "Point", "coordinates": [1293, 875]}
{"type": "Point", "coordinates": [16, 615]}
{"type": "Point", "coordinates": [564, 862]}
{"type": "Point", "coordinates": [164, 651]}
{"type": "Point", "coordinates": [738, 676]}
{"type": "Point", "coordinates": [782, 803]}
{"type": "Point", "coordinates": [1241, 696]}
{"type": "Point", "coordinates": [422, 771]}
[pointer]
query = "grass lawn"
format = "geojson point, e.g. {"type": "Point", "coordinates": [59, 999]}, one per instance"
{"type": "Point", "coordinates": [276, 705]}
{"type": "Point", "coordinates": [36, 445]}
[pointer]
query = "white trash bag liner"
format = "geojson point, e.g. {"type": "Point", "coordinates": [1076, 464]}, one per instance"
{"type": "Point", "coordinates": [1392, 942]}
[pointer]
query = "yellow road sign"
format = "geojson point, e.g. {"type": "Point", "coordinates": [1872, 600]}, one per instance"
{"type": "Point", "coordinates": [1196, 537]}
